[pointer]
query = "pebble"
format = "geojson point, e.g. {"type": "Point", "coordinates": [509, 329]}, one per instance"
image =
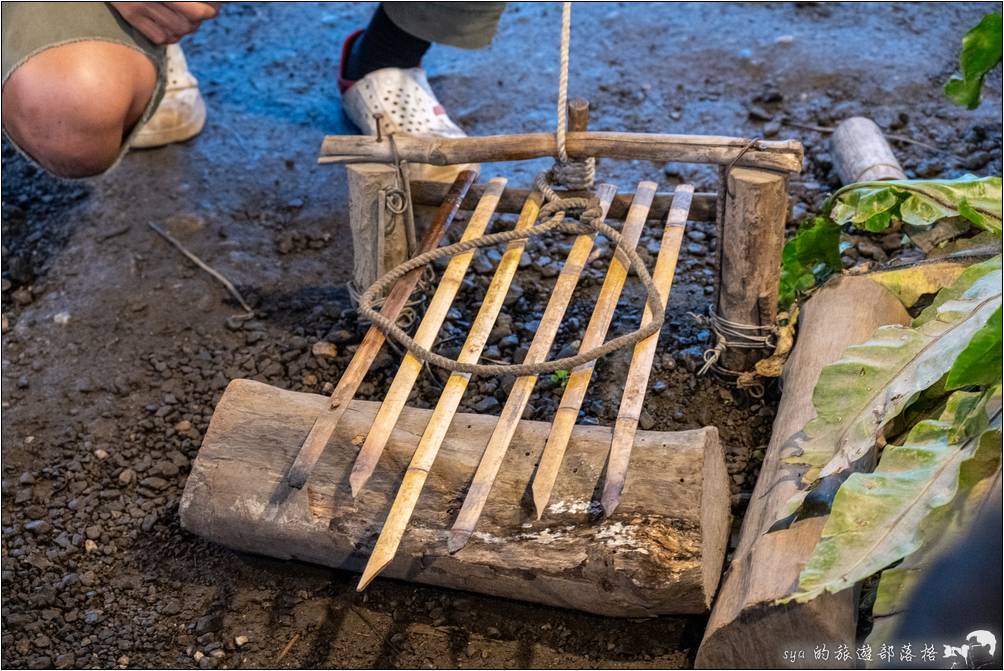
{"type": "Point", "coordinates": [325, 349]}
{"type": "Point", "coordinates": [241, 641]}
{"type": "Point", "coordinates": [487, 405]}
{"type": "Point", "coordinates": [61, 318]}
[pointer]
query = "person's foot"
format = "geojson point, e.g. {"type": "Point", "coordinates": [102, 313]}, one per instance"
{"type": "Point", "coordinates": [181, 113]}
{"type": "Point", "coordinates": [406, 103]}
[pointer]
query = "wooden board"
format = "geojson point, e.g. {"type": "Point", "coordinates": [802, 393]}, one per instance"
{"type": "Point", "coordinates": [746, 630]}
{"type": "Point", "coordinates": [656, 555]}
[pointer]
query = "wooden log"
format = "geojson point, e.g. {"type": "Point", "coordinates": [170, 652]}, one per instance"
{"type": "Point", "coordinates": [430, 194]}
{"type": "Point", "coordinates": [643, 354]}
{"type": "Point", "coordinates": [368, 349]}
{"type": "Point", "coordinates": [567, 413]}
{"type": "Point", "coordinates": [449, 401]}
{"type": "Point", "coordinates": [375, 248]}
{"type": "Point", "coordinates": [783, 155]}
{"type": "Point", "coordinates": [658, 554]}
{"type": "Point", "coordinates": [751, 236]}
{"type": "Point", "coordinates": [862, 154]}
{"type": "Point", "coordinates": [746, 630]}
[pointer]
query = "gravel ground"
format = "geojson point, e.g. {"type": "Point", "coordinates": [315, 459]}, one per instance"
{"type": "Point", "coordinates": [116, 349]}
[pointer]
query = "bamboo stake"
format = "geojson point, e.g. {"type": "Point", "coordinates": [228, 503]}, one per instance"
{"type": "Point", "coordinates": [449, 401]}
{"type": "Point", "coordinates": [596, 330]}
{"type": "Point", "coordinates": [325, 424]}
{"type": "Point", "coordinates": [411, 367]}
{"type": "Point", "coordinates": [522, 388]}
{"type": "Point", "coordinates": [644, 354]}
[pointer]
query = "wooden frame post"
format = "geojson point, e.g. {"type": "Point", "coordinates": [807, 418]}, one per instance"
{"type": "Point", "coordinates": [752, 213]}
{"type": "Point", "coordinates": [375, 248]}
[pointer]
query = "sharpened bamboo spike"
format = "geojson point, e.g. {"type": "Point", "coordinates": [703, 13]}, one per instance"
{"type": "Point", "coordinates": [522, 388]}
{"type": "Point", "coordinates": [644, 354]}
{"type": "Point", "coordinates": [596, 331]}
{"type": "Point", "coordinates": [320, 433]}
{"type": "Point", "coordinates": [425, 336]}
{"type": "Point", "coordinates": [449, 401]}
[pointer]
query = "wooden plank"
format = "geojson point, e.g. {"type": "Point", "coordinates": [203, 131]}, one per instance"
{"type": "Point", "coordinates": [425, 336]}
{"type": "Point", "coordinates": [626, 425]}
{"type": "Point", "coordinates": [702, 208]}
{"type": "Point", "coordinates": [750, 242]}
{"type": "Point", "coordinates": [368, 349]}
{"type": "Point", "coordinates": [747, 629]}
{"type": "Point", "coordinates": [449, 401]}
{"type": "Point", "coordinates": [578, 380]}
{"type": "Point", "coordinates": [785, 155]}
{"type": "Point", "coordinates": [522, 388]}
{"type": "Point", "coordinates": [648, 559]}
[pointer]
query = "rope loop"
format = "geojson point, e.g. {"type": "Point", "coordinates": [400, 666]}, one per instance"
{"type": "Point", "coordinates": [732, 335]}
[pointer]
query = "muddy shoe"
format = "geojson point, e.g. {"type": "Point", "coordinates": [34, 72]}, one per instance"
{"type": "Point", "coordinates": [407, 104]}
{"type": "Point", "coordinates": [181, 113]}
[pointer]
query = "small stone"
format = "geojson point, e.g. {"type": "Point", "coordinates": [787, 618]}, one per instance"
{"type": "Point", "coordinates": [123, 661]}
{"type": "Point", "coordinates": [38, 527]}
{"type": "Point", "coordinates": [93, 532]}
{"type": "Point", "coordinates": [26, 479]}
{"type": "Point", "coordinates": [154, 483]}
{"type": "Point", "coordinates": [61, 318]}
{"type": "Point", "coordinates": [325, 349]}
{"type": "Point", "coordinates": [197, 655]}
{"type": "Point", "coordinates": [758, 113]}
{"type": "Point", "coordinates": [127, 477]}
{"type": "Point", "coordinates": [646, 421]}
{"type": "Point", "coordinates": [309, 379]}
{"type": "Point", "coordinates": [101, 454]}
{"type": "Point", "coordinates": [90, 546]}
{"type": "Point", "coordinates": [295, 203]}
{"type": "Point", "coordinates": [208, 623]}
{"type": "Point", "coordinates": [241, 641]}
{"type": "Point", "coordinates": [487, 405]}
{"type": "Point", "coordinates": [183, 426]}
{"type": "Point", "coordinates": [782, 40]}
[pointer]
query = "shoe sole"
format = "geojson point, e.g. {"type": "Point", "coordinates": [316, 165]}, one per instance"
{"type": "Point", "coordinates": [166, 136]}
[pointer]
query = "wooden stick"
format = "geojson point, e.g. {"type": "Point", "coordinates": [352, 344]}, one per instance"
{"type": "Point", "coordinates": [370, 346]}
{"type": "Point", "coordinates": [644, 354]}
{"type": "Point", "coordinates": [785, 156]}
{"type": "Point", "coordinates": [522, 388]}
{"type": "Point", "coordinates": [596, 330]}
{"type": "Point", "coordinates": [449, 401]}
{"type": "Point", "coordinates": [425, 336]}
{"type": "Point", "coordinates": [702, 208]}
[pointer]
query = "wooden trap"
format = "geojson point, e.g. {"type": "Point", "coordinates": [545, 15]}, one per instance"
{"type": "Point", "coordinates": [545, 512]}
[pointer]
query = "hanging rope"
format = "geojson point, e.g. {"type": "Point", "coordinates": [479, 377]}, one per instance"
{"type": "Point", "coordinates": [573, 175]}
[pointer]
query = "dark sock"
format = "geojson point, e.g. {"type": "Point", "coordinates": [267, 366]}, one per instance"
{"type": "Point", "coordinates": [384, 45]}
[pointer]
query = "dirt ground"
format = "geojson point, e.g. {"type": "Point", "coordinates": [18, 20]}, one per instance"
{"type": "Point", "coordinates": [115, 348]}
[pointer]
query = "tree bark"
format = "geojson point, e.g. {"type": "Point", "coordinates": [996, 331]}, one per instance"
{"type": "Point", "coordinates": [660, 553]}
{"type": "Point", "coordinates": [746, 629]}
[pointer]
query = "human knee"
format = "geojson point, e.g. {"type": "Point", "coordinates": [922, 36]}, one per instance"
{"type": "Point", "coordinates": [71, 111]}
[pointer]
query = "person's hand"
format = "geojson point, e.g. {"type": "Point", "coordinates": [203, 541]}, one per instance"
{"type": "Point", "coordinates": [166, 22]}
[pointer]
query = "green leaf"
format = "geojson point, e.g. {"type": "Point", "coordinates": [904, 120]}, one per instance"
{"type": "Point", "coordinates": [981, 51]}
{"type": "Point", "coordinates": [857, 396]}
{"type": "Point", "coordinates": [877, 518]}
{"type": "Point", "coordinates": [977, 277]}
{"type": "Point", "coordinates": [872, 205]}
{"type": "Point", "coordinates": [810, 256]}
{"type": "Point", "coordinates": [978, 481]}
{"type": "Point", "coordinates": [980, 362]}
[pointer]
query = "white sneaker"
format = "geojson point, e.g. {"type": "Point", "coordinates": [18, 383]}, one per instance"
{"type": "Point", "coordinates": [404, 98]}
{"type": "Point", "coordinates": [181, 113]}
{"type": "Point", "coordinates": [408, 105]}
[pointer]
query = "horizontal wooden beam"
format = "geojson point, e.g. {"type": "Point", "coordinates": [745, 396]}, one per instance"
{"type": "Point", "coordinates": [783, 155]}
{"type": "Point", "coordinates": [432, 194]}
